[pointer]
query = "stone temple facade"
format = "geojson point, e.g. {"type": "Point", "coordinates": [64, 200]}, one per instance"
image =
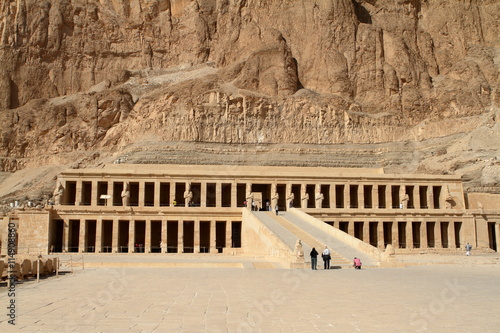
{"type": "Point", "coordinates": [134, 208]}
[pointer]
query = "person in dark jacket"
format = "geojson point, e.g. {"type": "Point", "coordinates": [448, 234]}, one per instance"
{"type": "Point", "coordinates": [314, 258]}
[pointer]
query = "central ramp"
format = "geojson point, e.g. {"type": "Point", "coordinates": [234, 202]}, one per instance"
{"type": "Point", "coordinates": [290, 227]}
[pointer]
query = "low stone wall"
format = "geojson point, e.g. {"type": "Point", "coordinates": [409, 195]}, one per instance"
{"type": "Point", "coordinates": [258, 240]}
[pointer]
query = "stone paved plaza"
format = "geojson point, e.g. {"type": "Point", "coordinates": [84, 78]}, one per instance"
{"type": "Point", "coordinates": [255, 297]}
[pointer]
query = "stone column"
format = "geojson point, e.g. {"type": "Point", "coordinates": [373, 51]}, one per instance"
{"type": "Point", "coordinates": [395, 234]}
{"type": "Point", "coordinates": [213, 248]}
{"type": "Point", "coordinates": [430, 197]}
{"type": "Point", "coordinates": [114, 240]}
{"type": "Point", "coordinates": [196, 236]}
{"type": "Point", "coordinates": [180, 237]}
{"type": "Point", "coordinates": [66, 235]}
{"type": "Point", "coordinates": [141, 193]}
{"type": "Point", "coordinates": [93, 197]}
{"type": "Point", "coordinates": [81, 236]}
{"type": "Point", "coordinates": [416, 197]}
{"type": "Point", "coordinates": [333, 196]}
{"type": "Point", "coordinates": [388, 196]}
{"type": "Point", "coordinates": [78, 196]}
{"type": "Point", "coordinates": [98, 235]}
{"type": "Point", "coordinates": [172, 193]}
{"type": "Point", "coordinates": [203, 194]}
{"type": "Point", "coordinates": [375, 197]}
{"type": "Point", "coordinates": [350, 228]}
{"type": "Point", "coordinates": [234, 197]}
{"type": "Point", "coordinates": [409, 235]}
{"type": "Point", "coordinates": [109, 202]}
{"type": "Point", "coordinates": [380, 235]}
{"type": "Point", "coordinates": [229, 235]}
{"type": "Point", "coordinates": [157, 194]}
{"type": "Point", "coordinates": [218, 194]}
{"type": "Point", "coordinates": [347, 195]}
{"type": "Point", "coordinates": [131, 236]}
{"type": "Point", "coordinates": [303, 189]}
{"type": "Point", "coordinates": [361, 196]}
{"type": "Point", "coordinates": [147, 240]}
{"type": "Point", "coordinates": [366, 232]}
{"type": "Point", "coordinates": [164, 235]}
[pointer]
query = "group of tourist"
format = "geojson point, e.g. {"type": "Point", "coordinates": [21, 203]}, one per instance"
{"type": "Point", "coordinates": [326, 255]}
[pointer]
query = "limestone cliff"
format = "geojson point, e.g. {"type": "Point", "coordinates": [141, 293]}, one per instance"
{"type": "Point", "coordinates": [83, 79]}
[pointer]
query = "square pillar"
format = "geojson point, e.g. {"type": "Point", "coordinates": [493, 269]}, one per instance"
{"type": "Point", "coordinates": [196, 236]}
{"type": "Point", "coordinates": [380, 235]}
{"type": "Point", "coordinates": [375, 196]}
{"type": "Point", "coordinates": [416, 197]}
{"type": "Point", "coordinates": [423, 235]}
{"type": "Point", "coordinates": [430, 197]}
{"type": "Point", "coordinates": [361, 196]}
{"type": "Point", "coordinates": [78, 196]}
{"type": "Point", "coordinates": [180, 236]}
{"type": "Point", "coordinates": [366, 232]}
{"type": "Point", "coordinates": [163, 236]}
{"type": "Point", "coordinates": [131, 234]}
{"type": "Point", "coordinates": [98, 235]}
{"type": "Point", "coordinates": [147, 240]}
{"type": "Point", "coordinates": [451, 235]}
{"type": "Point", "coordinates": [218, 194]}
{"type": "Point", "coordinates": [350, 228]}
{"type": "Point", "coordinates": [93, 196]}
{"type": "Point", "coordinates": [229, 238]}
{"type": "Point", "coordinates": [395, 234]}
{"type": "Point", "coordinates": [388, 196]}
{"type": "Point", "coordinates": [114, 240]}
{"type": "Point", "coordinates": [213, 249]}
{"type": "Point", "coordinates": [234, 200]}
{"type": "Point", "coordinates": [109, 202]}
{"type": "Point", "coordinates": [347, 195]}
{"type": "Point", "coordinates": [409, 235]}
{"type": "Point", "coordinates": [81, 236]}
{"type": "Point", "coordinates": [142, 193]}
{"type": "Point", "coordinates": [203, 194]}
{"type": "Point", "coordinates": [157, 194]}
{"type": "Point", "coordinates": [333, 196]}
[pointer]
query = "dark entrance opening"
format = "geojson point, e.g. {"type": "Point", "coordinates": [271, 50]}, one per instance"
{"type": "Point", "coordinates": [344, 226]}
{"type": "Point", "coordinates": [325, 189]}
{"type": "Point", "coordinates": [155, 236]}
{"type": "Point", "coordinates": [180, 188]}
{"type": "Point", "coordinates": [415, 229]}
{"type": "Point", "coordinates": [164, 194]}
{"type": "Point", "coordinates": [367, 196]}
{"type": "Point", "coordinates": [240, 194]}
{"type": "Point", "coordinates": [107, 236]}
{"type": "Point", "coordinates": [57, 232]}
{"type": "Point", "coordinates": [358, 230]}
{"type": "Point", "coordinates": [423, 197]}
{"type": "Point", "coordinates": [220, 235]}
{"type": "Point", "coordinates": [236, 234]}
{"type": "Point", "coordinates": [139, 236]}
{"type": "Point", "coordinates": [86, 193]}
{"type": "Point", "coordinates": [117, 193]}
{"type": "Point", "coordinates": [411, 201]}
{"type": "Point", "coordinates": [444, 235]}
{"type": "Point", "coordinates": [281, 189]}
{"type": "Point", "coordinates": [196, 189]}
{"type": "Point", "coordinates": [210, 194]}
{"type": "Point", "coordinates": [387, 226]}
{"type": "Point", "coordinates": [310, 189]}
{"type": "Point", "coordinates": [204, 236]}
{"type": "Point", "coordinates": [492, 236]}
{"type": "Point", "coordinates": [102, 190]}
{"type": "Point", "coordinates": [430, 234]}
{"type": "Point", "coordinates": [395, 196]}
{"type": "Point", "coordinates": [353, 196]}
{"type": "Point", "coordinates": [226, 194]}
{"type": "Point", "coordinates": [188, 237]}
{"type": "Point", "coordinates": [458, 227]}
{"type": "Point", "coordinates": [296, 195]}
{"type": "Point", "coordinates": [134, 194]}
{"type": "Point", "coordinates": [436, 194]}
{"type": "Point", "coordinates": [149, 194]}
{"type": "Point", "coordinates": [373, 233]}
{"type": "Point", "coordinates": [74, 235]}
{"type": "Point", "coordinates": [402, 234]}
{"type": "Point", "coordinates": [70, 198]}
{"type": "Point", "coordinates": [381, 196]}
{"type": "Point", "coordinates": [172, 236]}
{"type": "Point", "coordinates": [123, 236]}
{"type": "Point", "coordinates": [90, 233]}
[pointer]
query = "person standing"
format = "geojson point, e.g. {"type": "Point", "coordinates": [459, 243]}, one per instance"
{"type": "Point", "coordinates": [468, 247]}
{"type": "Point", "coordinates": [314, 259]}
{"type": "Point", "coordinates": [326, 257]}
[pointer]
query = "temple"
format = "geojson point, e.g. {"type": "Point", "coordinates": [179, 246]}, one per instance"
{"type": "Point", "coordinates": [134, 208]}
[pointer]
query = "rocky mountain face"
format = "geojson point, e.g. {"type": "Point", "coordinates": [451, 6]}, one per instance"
{"type": "Point", "coordinates": [85, 80]}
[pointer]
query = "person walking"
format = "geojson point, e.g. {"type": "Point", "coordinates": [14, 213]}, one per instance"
{"type": "Point", "coordinates": [468, 247]}
{"type": "Point", "coordinates": [314, 259]}
{"type": "Point", "coordinates": [326, 257]}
